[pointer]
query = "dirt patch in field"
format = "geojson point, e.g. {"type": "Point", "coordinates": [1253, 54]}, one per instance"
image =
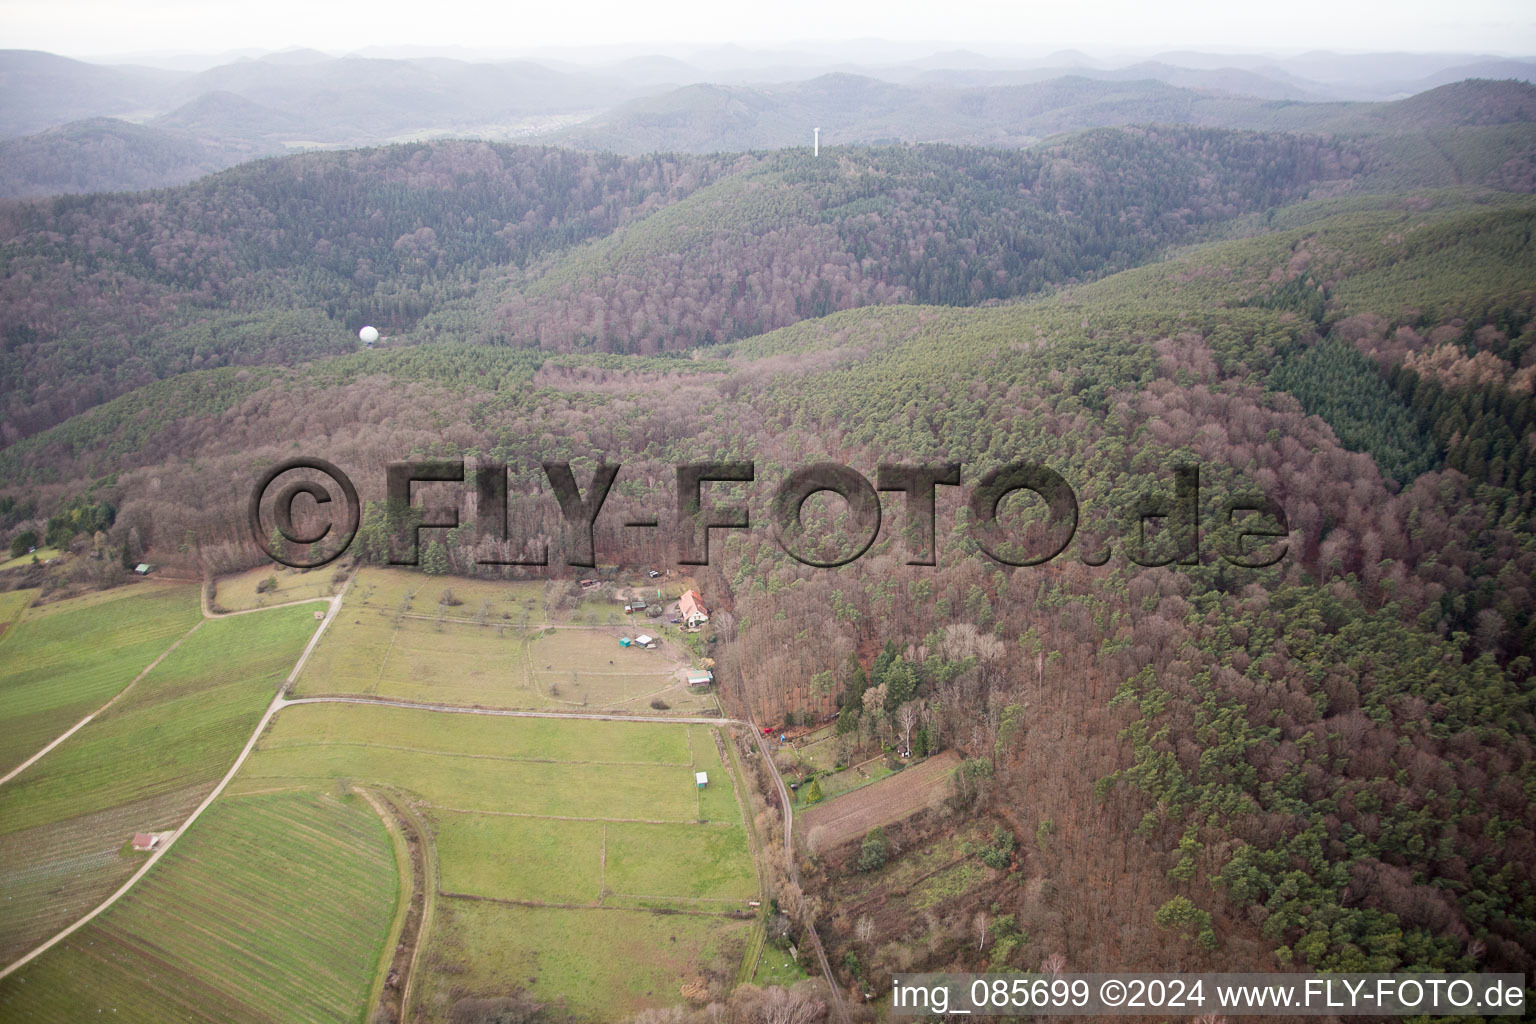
{"type": "Point", "coordinates": [881, 803]}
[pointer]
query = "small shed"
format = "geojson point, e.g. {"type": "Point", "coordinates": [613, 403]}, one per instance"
{"type": "Point", "coordinates": [143, 568]}
{"type": "Point", "coordinates": [645, 640]}
{"type": "Point", "coordinates": [145, 841]}
{"type": "Point", "coordinates": [700, 677]}
{"type": "Point", "coordinates": [625, 641]}
{"type": "Point", "coordinates": [702, 778]}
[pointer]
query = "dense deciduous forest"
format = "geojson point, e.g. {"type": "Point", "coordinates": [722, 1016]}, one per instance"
{"type": "Point", "coordinates": [281, 261]}
{"type": "Point", "coordinates": [1324, 763]}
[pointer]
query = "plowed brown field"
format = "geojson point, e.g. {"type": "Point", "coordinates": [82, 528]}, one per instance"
{"type": "Point", "coordinates": [881, 803]}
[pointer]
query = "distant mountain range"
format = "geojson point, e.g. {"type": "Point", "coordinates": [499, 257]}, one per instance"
{"type": "Point", "coordinates": [71, 126]}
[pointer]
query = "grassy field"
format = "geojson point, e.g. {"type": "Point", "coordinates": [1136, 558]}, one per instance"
{"type": "Point", "coordinates": [588, 668]}
{"type": "Point", "coordinates": [239, 592]}
{"type": "Point", "coordinates": [41, 554]}
{"type": "Point", "coordinates": [558, 842]}
{"type": "Point", "coordinates": [818, 749]}
{"type": "Point", "coordinates": [601, 964]}
{"type": "Point", "coordinates": [376, 653]}
{"type": "Point", "coordinates": [62, 661]}
{"type": "Point", "coordinates": [667, 862]}
{"type": "Point", "coordinates": [12, 604]}
{"type": "Point", "coordinates": [272, 908]}
{"type": "Point", "coordinates": [517, 858]}
{"type": "Point", "coordinates": [854, 777]}
{"type": "Point", "coordinates": [396, 637]}
{"type": "Point", "coordinates": [142, 765]}
{"type": "Point", "coordinates": [490, 783]}
{"type": "Point", "coordinates": [395, 590]}
{"type": "Point", "coordinates": [486, 763]}
{"type": "Point", "coordinates": [776, 967]}
{"type": "Point", "coordinates": [547, 739]}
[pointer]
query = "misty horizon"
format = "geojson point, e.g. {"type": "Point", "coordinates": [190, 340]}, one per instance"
{"type": "Point", "coordinates": [87, 29]}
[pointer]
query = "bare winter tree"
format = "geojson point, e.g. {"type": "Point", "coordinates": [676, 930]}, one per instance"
{"type": "Point", "coordinates": [907, 717]}
{"type": "Point", "coordinates": [815, 838]}
{"type": "Point", "coordinates": [798, 1005]}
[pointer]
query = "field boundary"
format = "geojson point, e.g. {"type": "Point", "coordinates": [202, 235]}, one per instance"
{"type": "Point", "coordinates": [399, 950]}
{"type": "Point", "coordinates": [794, 871]}
{"type": "Point", "coordinates": [690, 822]}
{"type": "Point", "coordinates": [465, 709]}
{"type": "Point", "coordinates": [431, 880]}
{"type": "Point", "coordinates": [209, 613]}
{"type": "Point", "coordinates": [482, 757]}
{"type": "Point", "coordinates": [553, 905]}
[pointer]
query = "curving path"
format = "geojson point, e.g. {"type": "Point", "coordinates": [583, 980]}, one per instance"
{"type": "Point", "coordinates": [280, 701]}
{"type": "Point", "coordinates": [208, 613]}
{"type": "Point", "coordinates": [277, 704]}
{"type": "Point", "coordinates": [67, 733]}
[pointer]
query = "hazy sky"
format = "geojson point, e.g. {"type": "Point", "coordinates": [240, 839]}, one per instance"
{"type": "Point", "coordinates": [89, 27]}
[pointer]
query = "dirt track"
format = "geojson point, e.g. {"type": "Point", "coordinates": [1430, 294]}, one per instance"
{"type": "Point", "coordinates": [280, 701]}
{"type": "Point", "coordinates": [891, 799]}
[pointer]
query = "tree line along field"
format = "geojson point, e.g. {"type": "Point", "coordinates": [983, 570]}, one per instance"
{"type": "Point", "coordinates": [499, 645]}
{"type": "Point", "coordinates": [142, 765]}
{"type": "Point", "coordinates": [274, 907]}
{"type": "Point", "coordinates": [61, 661]}
{"type": "Point", "coordinates": [552, 838]}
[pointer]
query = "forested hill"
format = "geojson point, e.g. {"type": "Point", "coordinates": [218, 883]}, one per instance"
{"type": "Point", "coordinates": [1327, 763]}
{"type": "Point", "coordinates": [854, 109]}
{"type": "Point", "coordinates": [282, 260]}
{"type": "Point", "coordinates": [116, 128]}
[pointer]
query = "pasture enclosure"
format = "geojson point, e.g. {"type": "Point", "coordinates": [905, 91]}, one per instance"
{"type": "Point", "coordinates": [537, 824]}
{"type": "Point", "coordinates": [266, 586]}
{"type": "Point", "coordinates": [601, 964]}
{"type": "Point", "coordinates": [395, 637]}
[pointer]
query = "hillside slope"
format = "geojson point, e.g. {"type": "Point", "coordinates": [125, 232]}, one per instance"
{"type": "Point", "coordinates": [569, 251]}
{"type": "Point", "coordinates": [1323, 763]}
